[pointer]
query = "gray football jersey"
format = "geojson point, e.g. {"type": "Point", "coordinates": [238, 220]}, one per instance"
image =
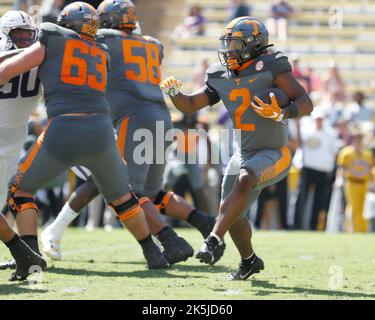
{"type": "Point", "coordinates": [236, 92]}
{"type": "Point", "coordinates": [133, 80]}
{"type": "Point", "coordinates": [74, 72]}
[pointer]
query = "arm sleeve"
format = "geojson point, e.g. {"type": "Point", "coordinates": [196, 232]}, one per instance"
{"type": "Point", "coordinates": [212, 95]}
{"type": "Point", "coordinates": [43, 36]}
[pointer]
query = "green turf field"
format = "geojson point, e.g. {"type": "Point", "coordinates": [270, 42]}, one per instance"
{"type": "Point", "coordinates": [102, 265]}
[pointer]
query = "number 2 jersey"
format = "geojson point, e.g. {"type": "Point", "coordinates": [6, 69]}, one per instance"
{"type": "Point", "coordinates": [134, 77]}
{"type": "Point", "coordinates": [74, 72]}
{"type": "Point", "coordinates": [236, 92]}
{"type": "Point", "coordinates": [18, 98]}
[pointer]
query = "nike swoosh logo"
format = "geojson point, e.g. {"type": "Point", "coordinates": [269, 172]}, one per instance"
{"type": "Point", "coordinates": [252, 80]}
{"type": "Point", "coordinates": [244, 276]}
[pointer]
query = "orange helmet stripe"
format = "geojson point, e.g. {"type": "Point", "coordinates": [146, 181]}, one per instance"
{"type": "Point", "coordinates": [255, 26]}
{"type": "Point", "coordinates": [237, 34]}
{"type": "Point", "coordinates": [233, 22]}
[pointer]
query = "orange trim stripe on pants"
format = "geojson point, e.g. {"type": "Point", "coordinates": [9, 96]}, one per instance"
{"type": "Point", "coordinates": [28, 161]}
{"type": "Point", "coordinates": [121, 137]}
{"type": "Point", "coordinates": [281, 165]}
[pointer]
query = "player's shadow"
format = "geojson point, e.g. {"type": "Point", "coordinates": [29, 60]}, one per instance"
{"type": "Point", "coordinates": [162, 273]}
{"type": "Point", "coordinates": [201, 268]}
{"type": "Point", "coordinates": [18, 288]}
{"type": "Point", "coordinates": [275, 289]}
{"type": "Point", "coordinates": [183, 266]}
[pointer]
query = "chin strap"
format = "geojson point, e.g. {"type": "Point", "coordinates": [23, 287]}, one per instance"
{"type": "Point", "coordinates": [259, 52]}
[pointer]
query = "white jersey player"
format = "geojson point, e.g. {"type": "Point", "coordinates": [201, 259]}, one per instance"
{"type": "Point", "coordinates": [18, 97]}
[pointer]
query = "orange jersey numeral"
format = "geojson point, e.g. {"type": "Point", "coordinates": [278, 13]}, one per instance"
{"type": "Point", "coordinates": [245, 96]}
{"type": "Point", "coordinates": [101, 67]}
{"type": "Point", "coordinates": [70, 60]}
{"type": "Point", "coordinates": [129, 58]}
{"type": "Point", "coordinates": [153, 63]}
{"type": "Point", "coordinates": [147, 68]}
{"type": "Point", "coordinates": [83, 77]}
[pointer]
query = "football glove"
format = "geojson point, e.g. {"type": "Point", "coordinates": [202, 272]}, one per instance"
{"type": "Point", "coordinates": [171, 86]}
{"type": "Point", "coordinates": [269, 111]}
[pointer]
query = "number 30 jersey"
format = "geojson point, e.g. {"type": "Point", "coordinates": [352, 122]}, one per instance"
{"type": "Point", "coordinates": [74, 72]}
{"type": "Point", "coordinates": [18, 98]}
{"type": "Point", "coordinates": [236, 91]}
{"type": "Point", "coordinates": [134, 77]}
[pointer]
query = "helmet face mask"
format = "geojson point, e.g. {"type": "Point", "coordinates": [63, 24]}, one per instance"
{"type": "Point", "coordinates": [17, 30]}
{"type": "Point", "coordinates": [22, 38]}
{"type": "Point", "coordinates": [244, 39]}
{"type": "Point", "coordinates": [233, 52]}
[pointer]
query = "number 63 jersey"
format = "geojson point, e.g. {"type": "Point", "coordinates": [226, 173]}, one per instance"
{"type": "Point", "coordinates": [74, 72]}
{"type": "Point", "coordinates": [236, 91]}
{"type": "Point", "coordinates": [18, 98]}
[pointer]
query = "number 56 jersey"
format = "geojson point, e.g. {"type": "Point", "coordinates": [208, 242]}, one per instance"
{"type": "Point", "coordinates": [236, 91]}
{"type": "Point", "coordinates": [74, 72]}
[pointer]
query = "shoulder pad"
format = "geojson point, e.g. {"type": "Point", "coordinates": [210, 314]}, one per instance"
{"type": "Point", "coordinates": [152, 39]}
{"type": "Point", "coordinates": [216, 70]}
{"type": "Point", "coordinates": [50, 29]}
{"type": "Point", "coordinates": [279, 55]}
{"type": "Point", "coordinates": [109, 33]}
{"type": "Point", "coordinates": [277, 63]}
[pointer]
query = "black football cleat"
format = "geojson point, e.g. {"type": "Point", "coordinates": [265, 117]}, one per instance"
{"type": "Point", "coordinates": [11, 264]}
{"type": "Point", "coordinates": [155, 259]}
{"type": "Point", "coordinates": [25, 267]}
{"type": "Point", "coordinates": [177, 250]}
{"type": "Point", "coordinates": [219, 252]}
{"type": "Point", "coordinates": [207, 252]}
{"type": "Point", "coordinates": [247, 268]}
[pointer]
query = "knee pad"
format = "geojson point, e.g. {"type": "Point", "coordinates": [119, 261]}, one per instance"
{"type": "Point", "coordinates": [162, 199]}
{"type": "Point", "coordinates": [17, 204]}
{"type": "Point", "coordinates": [128, 209]}
{"type": "Point", "coordinates": [142, 199]}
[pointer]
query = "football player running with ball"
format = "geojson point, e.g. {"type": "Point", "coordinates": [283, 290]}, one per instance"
{"type": "Point", "coordinates": [246, 69]}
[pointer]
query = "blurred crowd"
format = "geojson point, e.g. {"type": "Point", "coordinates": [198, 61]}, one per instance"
{"type": "Point", "coordinates": [194, 24]}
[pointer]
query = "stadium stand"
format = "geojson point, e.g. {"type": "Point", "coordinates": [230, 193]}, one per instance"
{"type": "Point", "coordinates": [310, 35]}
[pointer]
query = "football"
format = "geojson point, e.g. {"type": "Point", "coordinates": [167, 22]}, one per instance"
{"type": "Point", "coordinates": [281, 97]}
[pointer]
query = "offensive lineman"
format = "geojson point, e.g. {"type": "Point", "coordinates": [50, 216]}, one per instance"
{"type": "Point", "coordinates": [245, 70]}
{"type": "Point", "coordinates": [135, 101]}
{"type": "Point", "coordinates": [73, 71]}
